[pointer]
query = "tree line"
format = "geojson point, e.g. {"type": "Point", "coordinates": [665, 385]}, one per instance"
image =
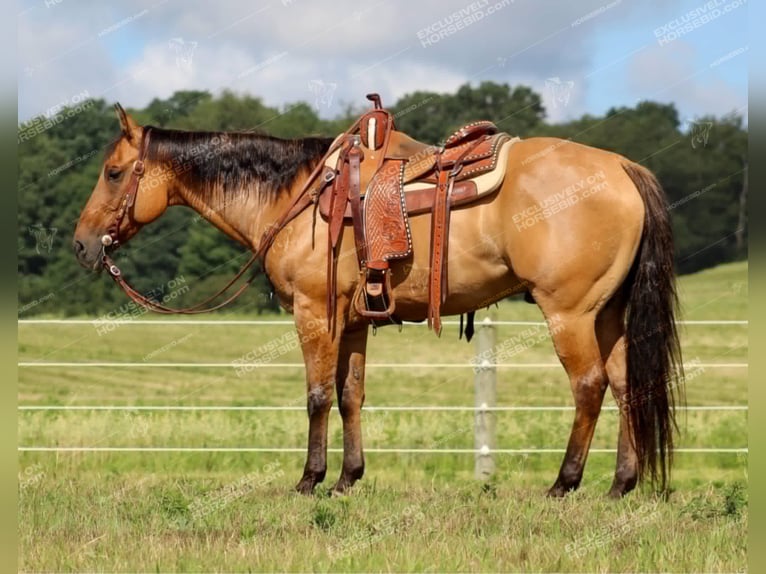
{"type": "Point", "coordinates": [701, 164]}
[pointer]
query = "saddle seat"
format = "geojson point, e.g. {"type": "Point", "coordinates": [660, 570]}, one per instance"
{"type": "Point", "coordinates": [378, 176]}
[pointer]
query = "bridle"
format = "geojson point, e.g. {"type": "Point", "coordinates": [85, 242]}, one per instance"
{"type": "Point", "coordinates": [302, 200]}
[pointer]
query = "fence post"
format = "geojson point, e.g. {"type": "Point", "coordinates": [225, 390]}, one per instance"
{"type": "Point", "coordinates": [485, 396]}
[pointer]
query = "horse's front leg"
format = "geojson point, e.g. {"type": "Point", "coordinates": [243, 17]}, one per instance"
{"type": "Point", "coordinates": [350, 391]}
{"type": "Point", "coordinates": [320, 354]}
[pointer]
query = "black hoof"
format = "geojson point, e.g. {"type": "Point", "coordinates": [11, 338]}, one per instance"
{"type": "Point", "coordinates": [307, 484]}
{"type": "Point", "coordinates": [615, 493]}
{"type": "Point", "coordinates": [343, 486]}
{"type": "Point", "coordinates": [561, 489]}
{"type": "Point", "coordinates": [557, 491]}
{"type": "Point", "coordinates": [620, 489]}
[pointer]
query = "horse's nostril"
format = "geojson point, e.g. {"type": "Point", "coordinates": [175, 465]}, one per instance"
{"type": "Point", "coordinates": [79, 248]}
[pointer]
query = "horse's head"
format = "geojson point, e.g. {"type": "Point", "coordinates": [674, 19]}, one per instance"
{"type": "Point", "coordinates": [107, 218]}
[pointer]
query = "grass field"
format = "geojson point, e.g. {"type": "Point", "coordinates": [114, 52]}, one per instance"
{"type": "Point", "coordinates": [235, 511]}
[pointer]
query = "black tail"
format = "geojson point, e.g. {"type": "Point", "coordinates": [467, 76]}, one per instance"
{"type": "Point", "coordinates": [655, 368]}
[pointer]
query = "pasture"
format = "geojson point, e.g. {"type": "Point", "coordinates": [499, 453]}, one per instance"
{"type": "Point", "coordinates": [212, 509]}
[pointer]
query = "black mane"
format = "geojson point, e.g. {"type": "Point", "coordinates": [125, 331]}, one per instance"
{"type": "Point", "coordinates": [235, 162]}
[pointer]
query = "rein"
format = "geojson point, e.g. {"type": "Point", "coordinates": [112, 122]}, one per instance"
{"type": "Point", "coordinates": [112, 237]}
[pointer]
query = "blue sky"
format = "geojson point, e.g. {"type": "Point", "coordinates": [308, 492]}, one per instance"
{"type": "Point", "coordinates": [602, 53]}
{"type": "Point", "coordinates": [708, 43]}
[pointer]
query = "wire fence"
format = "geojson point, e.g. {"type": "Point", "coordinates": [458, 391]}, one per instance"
{"type": "Point", "coordinates": [283, 450]}
{"type": "Point", "coordinates": [265, 365]}
{"type": "Point", "coordinates": [229, 322]}
{"type": "Point", "coordinates": [374, 409]}
{"type": "Point", "coordinates": [382, 408]}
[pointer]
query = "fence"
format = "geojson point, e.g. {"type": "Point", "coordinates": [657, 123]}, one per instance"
{"type": "Point", "coordinates": [484, 409]}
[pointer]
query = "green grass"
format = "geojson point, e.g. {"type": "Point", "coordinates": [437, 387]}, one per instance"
{"type": "Point", "coordinates": [209, 511]}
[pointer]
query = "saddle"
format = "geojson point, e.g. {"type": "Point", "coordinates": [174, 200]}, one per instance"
{"type": "Point", "coordinates": [377, 177]}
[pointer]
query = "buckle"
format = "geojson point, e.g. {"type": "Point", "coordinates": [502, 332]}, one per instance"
{"type": "Point", "coordinates": [107, 262]}
{"type": "Point", "coordinates": [138, 167]}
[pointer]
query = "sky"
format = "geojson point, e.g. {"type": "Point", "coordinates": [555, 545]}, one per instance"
{"type": "Point", "coordinates": [582, 56]}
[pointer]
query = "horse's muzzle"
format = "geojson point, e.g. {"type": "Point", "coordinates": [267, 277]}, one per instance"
{"type": "Point", "coordinates": [88, 253]}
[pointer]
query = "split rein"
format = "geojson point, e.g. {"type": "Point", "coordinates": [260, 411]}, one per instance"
{"type": "Point", "coordinates": [112, 237]}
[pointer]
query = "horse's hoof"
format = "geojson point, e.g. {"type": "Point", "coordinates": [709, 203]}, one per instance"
{"type": "Point", "coordinates": [559, 490]}
{"type": "Point", "coordinates": [556, 491]}
{"type": "Point", "coordinates": [615, 493]}
{"type": "Point", "coordinates": [305, 487]}
{"type": "Point", "coordinates": [342, 487]}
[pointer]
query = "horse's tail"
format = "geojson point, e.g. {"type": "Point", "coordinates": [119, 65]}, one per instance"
{"type": "Point", "coordinates": [655, 368]}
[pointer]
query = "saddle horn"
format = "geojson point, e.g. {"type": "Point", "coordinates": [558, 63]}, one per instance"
{"type": "Point", "coordinates": [375, 98]}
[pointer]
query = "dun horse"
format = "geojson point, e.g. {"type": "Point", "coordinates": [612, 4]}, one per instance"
{"type": "Point", "coordinates": [583, 231]}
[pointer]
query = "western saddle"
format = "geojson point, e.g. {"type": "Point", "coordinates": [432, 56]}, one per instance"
{"type": "Point", "coordinates": [376, 176]}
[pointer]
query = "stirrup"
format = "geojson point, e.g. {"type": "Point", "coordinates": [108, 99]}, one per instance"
{"type": "Point", "coordinates": [376, 287]}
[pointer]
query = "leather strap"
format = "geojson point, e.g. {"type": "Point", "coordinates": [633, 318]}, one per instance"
{"type": "Point", "coordinates": [438, 239]}
{"type": "Point", "coordinates": [440, 217]}
{"type": "Point", "coordinates": [355, 201]}
{"type": "Point", "coordinates": [113, 231]}
{"type": "Point", "coordinates": [159, 308]}
{"type": "Point", "coordinates": [266, 242]}
{"type": "Point", "coordinates": [338, 203]}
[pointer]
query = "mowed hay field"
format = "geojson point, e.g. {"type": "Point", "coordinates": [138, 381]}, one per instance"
{"type": "Point", "coordinates": [235, 511]}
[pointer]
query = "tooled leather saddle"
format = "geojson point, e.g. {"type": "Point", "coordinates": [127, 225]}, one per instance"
{"type": "Point", "coordinates": [377, 177]}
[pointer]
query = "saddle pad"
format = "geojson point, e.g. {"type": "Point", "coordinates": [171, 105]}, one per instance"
{"type": "Point", "coordinates": [386, 229]}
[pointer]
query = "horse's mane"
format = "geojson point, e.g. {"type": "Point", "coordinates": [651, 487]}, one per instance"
{"type": "Point", "coordinates": [235, 162]}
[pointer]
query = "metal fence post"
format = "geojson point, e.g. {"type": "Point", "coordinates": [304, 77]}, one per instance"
{"type": "Point", "coordinates": [485, 376]}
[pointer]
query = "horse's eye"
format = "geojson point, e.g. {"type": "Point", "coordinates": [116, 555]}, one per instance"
{"type": "Point", "coordinates": [114, 174]}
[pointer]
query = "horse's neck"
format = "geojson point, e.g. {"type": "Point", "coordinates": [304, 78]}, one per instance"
{"type": "Point", "coordinates": [244, 217]}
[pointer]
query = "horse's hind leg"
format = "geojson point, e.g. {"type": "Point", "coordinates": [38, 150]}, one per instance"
{"type": "Point", "coordinates": [610, 330]}
{"type": "Point", "coordinates": [574, 338]}
{"type": "Point", "coordinates": [350, 392]}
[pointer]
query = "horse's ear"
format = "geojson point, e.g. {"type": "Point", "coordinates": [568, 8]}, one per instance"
{"type": "Point", "coordinates": [130, 129]}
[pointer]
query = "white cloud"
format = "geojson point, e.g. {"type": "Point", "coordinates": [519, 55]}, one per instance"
{"type": "Point", "coordinates": [274, 49]}
{"type": "Point", "coordinates": [44, 77]}
{"type": "Point", "coordinates": [673, 73]}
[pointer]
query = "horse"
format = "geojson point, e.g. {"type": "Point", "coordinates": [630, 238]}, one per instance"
{"type": "Point", "coordinates": [598, 260]}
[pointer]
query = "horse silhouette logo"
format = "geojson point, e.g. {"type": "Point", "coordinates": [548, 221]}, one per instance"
{"type": "Point", "coordinates": [699, 133]}
{"type": "Point", "coordinates": [323, 92]}
{"type": "Point", "coordinates": [559, 91]}
{"type": "Point", "coordinates": [43, 237]}
{"type": "Point", "coordinates": [184, 52]}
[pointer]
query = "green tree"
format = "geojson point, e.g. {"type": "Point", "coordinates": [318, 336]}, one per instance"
{"type": "Point", "coordinates": [702, 168]}
{"type": "Point", "coordinates": [431, 117]}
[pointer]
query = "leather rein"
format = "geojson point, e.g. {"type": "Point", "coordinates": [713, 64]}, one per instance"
{"type": "Point", "coordinates": [112, 237]}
